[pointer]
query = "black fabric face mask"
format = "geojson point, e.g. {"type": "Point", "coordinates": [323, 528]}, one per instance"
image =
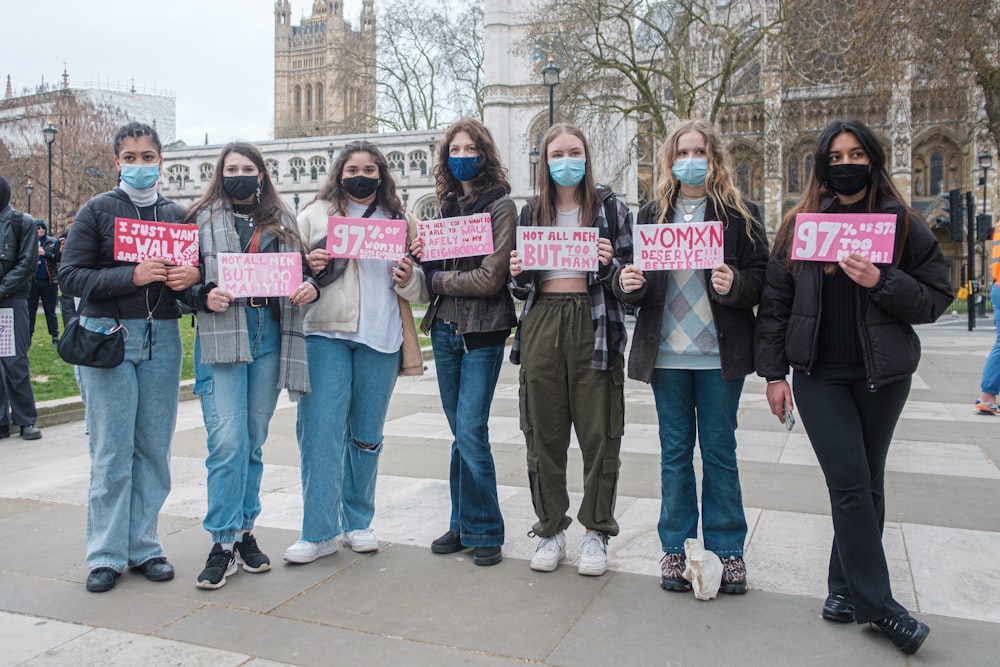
{"type": "Point", "coordinates": [848, 179]}
{"type": "Point", "coordinates": [360, 187]}
{"type": "Point", "coordinates": [240, 187]}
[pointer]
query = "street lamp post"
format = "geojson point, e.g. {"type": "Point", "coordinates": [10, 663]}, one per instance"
{"type": "Point", "coordinates": [533, 161]}
{"type": "Point", "coordinates": [405, 196]}
{"type": "Point", "coordinates": [295, 199]}
{"type": "Point", "coordinates": [985, 163]}
{"type": "Point", "coordinates": [550, 77]}
{"type": "Point", "coordinates": [29, 188]}
{"type": "Point", "coordinates": [49, 132]}
{"type": "Point", "coordinates": [329, 154]}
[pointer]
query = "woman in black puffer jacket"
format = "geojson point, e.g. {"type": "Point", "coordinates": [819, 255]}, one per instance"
{"type": "Point", "coordinates": [845, 329]}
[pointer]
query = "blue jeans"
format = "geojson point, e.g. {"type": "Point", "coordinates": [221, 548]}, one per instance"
{"type": "Point", "coordinates": [131, 414]}
{"type": "Point", "coordinates": [690, 401]}
{"type": "Point", "coordinates": [237, 402]}
{"type": "Point", "coordinates": [339, 429]}
{"type": "Point", "coordinates": [466, 381]}
{"type": "Point", "coordinates": [991, 371]}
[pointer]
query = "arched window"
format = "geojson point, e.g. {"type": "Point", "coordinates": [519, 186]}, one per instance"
{"type": "Point", "coordinates": [205, 171]}
{"type": "Point", "coordinates": [319, 101]}
{"type": "Point", "coordinates": [297, 167]}
{"type": "Point", "coordinates": [272, 168]}
{"type": "Point", "coordinates": [793, 184]}
{"type": "Point", "coordinates": [397, 162]}
{"type": "Point", "coordinates": [298, 102]}
{"type": "Point", "coordinates": [809, 166]}
{"type": "Point", "coordinates": [309, 102]}
{"type": "Point", "coordinates": [427, 208]}
{"type": "Point", "coordinates": [937, 174]}
{"type": "Point", "coordinates": [418, 162]}
{"type": "Point", "coordinates": [317, 165]}
{"type": "Point", "coordinates": [178, 175]}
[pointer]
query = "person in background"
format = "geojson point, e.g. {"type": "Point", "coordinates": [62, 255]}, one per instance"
{"type": "Point", "coordinates": [845, 329]}
{"type": "Point", "coordinates": [67, 304]}
{"type": "Point", "coordinates": [45, 286]}
{"type": "Point", "coordinates": [693, 343]}
{"type": "Point", "coordinates": [469, 320]}
{"type": "Point", "coordinates": [18, 236]}
{"type": "Point", "coordinates": [570, 344]}
{"type": "Point", "coordinates": [990, 385]}
{"type": "Point", "coordinates": [131, 408]}
{"type": "Point", "coordinates": [246, 351]}
{"type": "Point", "coordinates": [360, 336]}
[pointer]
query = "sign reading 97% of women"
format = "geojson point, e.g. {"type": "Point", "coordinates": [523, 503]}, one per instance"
{"type": "Point", "coordinates": [678, 245]}
{"type": "Point", "coordinates": [139, 240]}
{"type": "Point", "coordinates": [555, 248]}
{"type": "Point", "coordinates": [461, 236]}
{"type": "Point", "coordinates": [366, 238]}
{"type": "Point", "coordinates": [830, 237]}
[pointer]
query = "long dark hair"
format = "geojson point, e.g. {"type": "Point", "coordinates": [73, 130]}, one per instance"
{"type": "Point", "coordinates": [333, 190]}
{"type": "Point", "coordinates": [268, 212]}
{"type": "Point", "coordinates": [585, 195]}
{"type": "Point", "coordinates": [817, 189]}
{"type": "Point", "coordinates": [491, 171]}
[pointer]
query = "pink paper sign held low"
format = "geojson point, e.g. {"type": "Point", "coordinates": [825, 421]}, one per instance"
{"type": "Point", "coordinates": [366, 238]}
{"type": "Point", "coordinates": [139, 240]}
{"type": "Point", "coordinates": [260, 273]}
{"type": "Point", "coordinates": [462, 236]}
{"type": "Point", "coordinates": [555, 248]}
{"type": "Point", "coordinates": [830, 237]}
{"type": "Point", "coordinates": [678, 245]}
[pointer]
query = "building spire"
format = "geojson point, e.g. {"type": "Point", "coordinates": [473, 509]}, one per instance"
{"type": "Point", "coordinates": [65, 76]}
{"type": "Point", "coordinates": [9, 93]}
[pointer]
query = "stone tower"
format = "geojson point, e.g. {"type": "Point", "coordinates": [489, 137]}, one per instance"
{"type": "Point", "coordinates": [324, 71]}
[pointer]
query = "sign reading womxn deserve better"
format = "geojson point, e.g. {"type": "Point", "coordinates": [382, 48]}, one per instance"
{"type": "Point", "coordinates": [461, 236]}
{"type": "Point", "coordinates": [555, 248]}
{"type": "Point", "coordinates": [366, 238]}
{"type": "Point", "coordinates": [678, 245]}
{"type": "Point", "coordinates": [830, 237]}
{"type": "Point", "coordinates": [260, 273]}
{"type": "Point", "coordinates": [139, 240]}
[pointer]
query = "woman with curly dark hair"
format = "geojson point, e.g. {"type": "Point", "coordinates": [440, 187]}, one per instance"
{"type": "Point", "coordinates": [470, 317]}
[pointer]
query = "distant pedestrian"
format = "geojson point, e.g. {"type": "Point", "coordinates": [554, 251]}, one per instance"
{"type": "Point", "coordinates": [67, 304]}
{"type": "Point", "coordinates": [990, 386]}
{"type": "Point", "coordinates": [247, 350]}
{"type": "Point", "coordinates": [693, 343]}
{"type": "Point", "coordinates": [45, 286]}
{"type": "Point", "coordinates": [131, 408]}
{"type": "Point", "coordinates": [845, 329]}
{"type": "Point", "coordinates": [570, 344]}
{"type": "Point", "coordinates": [469, 319]}
{"type": "Point", "coordinates": [18, 238]}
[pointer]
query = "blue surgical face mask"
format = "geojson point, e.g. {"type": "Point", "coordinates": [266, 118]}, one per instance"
{"type": "Point", "coordinates": [140, 176]}
{"type": "Point", "coordinates": [691, 170]}
{"type": "Point", "coordinates": [464, 168]}
{"type": "Point", "coordinates": [567, 171]}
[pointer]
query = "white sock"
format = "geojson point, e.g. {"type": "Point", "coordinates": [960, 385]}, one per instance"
{"type": "Point", "coordinates": [227, 546]}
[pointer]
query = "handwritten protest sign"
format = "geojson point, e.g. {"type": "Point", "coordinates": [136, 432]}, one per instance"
{"type": "Point", "coordinates": [553, 248]}
{"type": "Point", "coordinates": [260, 274]}
{"type": "Point", "coordinates": [462, 236]}
{"type": "Point", "coordinates": [7, 332]}
{"type": "Point", "coordinates": [830, 237]}
{"type": "Point", "coordinates": [679, 245]}
{"type": "Point", "coordinates": [366, 238]}
{"type": "Point", "coordinates": [139, 240]}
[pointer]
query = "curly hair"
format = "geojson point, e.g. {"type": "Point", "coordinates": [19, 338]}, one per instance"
{"type": "Point", "coordinates": [491, 172]}
{"type": "Point", "coordinates": [333, 190]}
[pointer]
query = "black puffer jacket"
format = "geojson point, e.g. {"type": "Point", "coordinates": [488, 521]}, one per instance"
{"type": "Point", "coordinates": [732, 312]}
{"type": "Point", "coordinates": [89, 256]}
{"type": "Point", "coordinates": [914, 289]}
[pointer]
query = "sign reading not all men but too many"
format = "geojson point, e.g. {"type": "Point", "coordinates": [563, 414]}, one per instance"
{"type": "Point", "coordinates": [830, 237]}
{"type": "Point", "coordinates": [259, 274]}
{"type": "Point", "coordinates": [557, 248]}
{"type": "Point", "coordinates": [139, 240]}
{"type": "Point", "coordinates": [461, 236]}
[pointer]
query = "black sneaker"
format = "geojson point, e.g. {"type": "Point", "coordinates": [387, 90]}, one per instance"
{"type": "Point", "coordinates": [30, 432]}
{"type": "Point", "coordinates": [906, 632]}
{"type": "Point", "coordinates": [101, 579]}
{"type": "Point", "coordinates": [4, 431]}
{"type": "Point", "coordinates": [838, 607]}
{"type": "Point", "coordinates": [220, 564]}
{"type": "Point", "coordinates": [487, 555]}
{"type": "Point", "coordinates": [254, 560]}
{"type": "Point", "coordinates": [449, 543]}
{"type": "Point", "coordinates": [156, 569]}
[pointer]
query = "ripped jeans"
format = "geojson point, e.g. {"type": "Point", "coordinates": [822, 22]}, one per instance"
{"type": "Point", "coordinates": [339, 429]}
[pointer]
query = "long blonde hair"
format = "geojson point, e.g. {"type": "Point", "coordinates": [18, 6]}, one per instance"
{"type": "Point", "coordinates": [585, 195]}
{"type": "Point", "coordinates": [722, 190]}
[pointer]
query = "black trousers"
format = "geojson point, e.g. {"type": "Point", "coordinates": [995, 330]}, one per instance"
{"type": "Point", "coordinates": [850, 429]}
{"type": "Point", "coordinates": [48, 294]}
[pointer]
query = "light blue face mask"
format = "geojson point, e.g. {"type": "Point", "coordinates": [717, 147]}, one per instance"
{"type": "Point", "coordinates": [567, 171]}
{"type": "Point", "coordinates": [140, 176]}
{"type": "Point", "coordinates": [691, 170]}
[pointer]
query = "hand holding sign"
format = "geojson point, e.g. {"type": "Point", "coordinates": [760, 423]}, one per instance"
{"type": "Point", "coordinates": [554, 248]}
{"type": "Point", "coordinates": [139, 240]}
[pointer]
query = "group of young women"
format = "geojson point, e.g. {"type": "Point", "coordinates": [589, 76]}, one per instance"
{"type": "Point", "coordinates": [844, 329]}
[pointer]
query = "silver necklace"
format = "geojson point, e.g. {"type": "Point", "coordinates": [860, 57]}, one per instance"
{"type": "Point", "coordinates": [689, 212]}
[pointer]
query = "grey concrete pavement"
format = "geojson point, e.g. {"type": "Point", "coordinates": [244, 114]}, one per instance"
{"type": "Point", "coordinates": [405, 606]}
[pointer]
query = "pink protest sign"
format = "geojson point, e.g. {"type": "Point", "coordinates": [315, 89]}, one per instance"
{"type": "Point", "coordinates": [830, 237]}
{"type": "Point", "coordinates": [678, 245]}
{"type": "Point", "coordinates": [260, 274]}
{"type": "Point", "coordinates": [462, 236]}
{"type": "Point", "coordinates": [553, 248]}
{"type": "Point", "coordinates": [366, 238]}
{"type": "Point", "coordinates": [139, 240]}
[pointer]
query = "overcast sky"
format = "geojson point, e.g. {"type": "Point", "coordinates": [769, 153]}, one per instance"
{"type": "Point", "coordinates": [216, 56]}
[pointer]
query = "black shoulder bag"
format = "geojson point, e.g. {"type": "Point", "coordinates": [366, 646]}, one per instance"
{"type": "Point", "coordinates": [81, 347]}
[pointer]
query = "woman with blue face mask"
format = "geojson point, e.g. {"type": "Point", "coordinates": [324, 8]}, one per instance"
{"type": "Point", "coordinates": [693, 343]}
{"type": "Point", "coordinates": [469, 320]}
{"type": "Point", "coordinates": [571, 345]}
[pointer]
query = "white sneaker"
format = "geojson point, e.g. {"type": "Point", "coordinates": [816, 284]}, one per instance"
{"type": "Point", "coordinates": [307, 552]}
{"type": "Point", "coordinates": [362, 541]}
{"type": "Point", "coordinates": [593, 555]}
{"type": "Point", "coordinates": [550, 551]}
